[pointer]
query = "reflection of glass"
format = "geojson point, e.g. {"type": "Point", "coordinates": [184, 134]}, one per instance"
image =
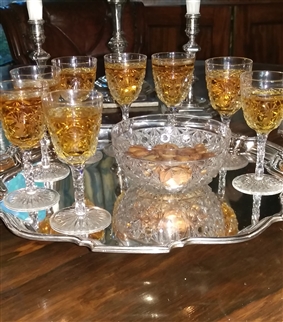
{"type": "Point", "coordinates": [125, 74]}
{"type": "Point", "coordinates": [172, 75]}
{"type": "Point", "coordinates": [143, 217]}
{"type": "Point", "coordinates": [46, 170]}
{"type": "Point", "coordinates": [262, 103]}
{"type": "Point", "coordinates": [73, 119]}
{"type": "Point", "coordinates": [223, 84]}
{"type": "Point", "coordinates": [76, 72]}
{"type": "Point", "coordinates": [256, 209]}
{"type": "Point", "coordinates": [23, 124]}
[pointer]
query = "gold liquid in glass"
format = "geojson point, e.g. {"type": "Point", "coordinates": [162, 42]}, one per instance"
{"type": "Point", "coordinates": [172, 79]}
{"type": "Point", "coordinates": [77, 78]}
{"type": "Point", "coordinates": [74, 132]}
{"type": "Point", "coordinates": [125, 80]}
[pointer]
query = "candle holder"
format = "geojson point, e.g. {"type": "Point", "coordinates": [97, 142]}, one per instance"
{"type": "Point", "coordinates": [118, 42]}
{"type": "Point", "coordinates": [39, 55]}
{"type": "Point", "coordinates": [192, 29]}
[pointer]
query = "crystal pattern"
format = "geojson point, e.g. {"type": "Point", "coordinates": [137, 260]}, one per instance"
{"type": "Point", "coordinates": [142, 217]}
{"type": "Point", "coordinates": [186, 132]}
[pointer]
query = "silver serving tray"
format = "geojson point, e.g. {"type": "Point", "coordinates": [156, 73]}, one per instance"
{"type": "Point", "coordinates": [110, 244]}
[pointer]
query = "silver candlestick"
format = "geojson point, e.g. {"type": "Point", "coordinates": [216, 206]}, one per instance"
{"type": "Point", "coordinates": [192, 29]}
{"type": "Point", "coordinates": [37, 35]}
{"type": "Point", "coordinates": [118, 42]}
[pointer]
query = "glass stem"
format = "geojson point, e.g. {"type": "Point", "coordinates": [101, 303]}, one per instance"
{"type": "Point", "coordinates": [173, 111]}
{"type": "Point", "coordinates": [44, 145]}
{"type": "Point", "coordinates": [78, 183]}
{"type": "Point", "coordinates": [125, 112]}
{"type": "Point", "coordinates": [28, 172]}
{"type": "Point", "coordinates": [222, 183]}
{"type": "Point", "coordinates": [261, 142]}
{"type": "Point", "coordinates": [256, 209]}
{"type": "Point", "coordinates": [226, 120]}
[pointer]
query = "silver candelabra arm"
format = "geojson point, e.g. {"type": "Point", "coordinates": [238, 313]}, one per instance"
{"type": "Point", "coordinates": [192, 29]}
{"type": "Point", "coordinates": [37, 35]}
{"type": "Point", "coordinates": [118, 42]}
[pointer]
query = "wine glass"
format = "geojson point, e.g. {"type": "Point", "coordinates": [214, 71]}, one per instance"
{"type": "Point", "coordinates": [262, 104]}
{"type": "Point", "coordinates": [125, 74]}
{"type": "Point", "coordinates": [23, 124]}
{"type": "Point", "coordinates": [223, 84]}
{"type": "Point", "coordinates": [76, 72]}
{"type": "Point", "coordinates": [7, 151]}
{"type": "Point", "coordinates": [73, 120]}
{"type": "Point", "coordinates": [46, 170]}
{"type": "Point", "coordinates": [172, 75]}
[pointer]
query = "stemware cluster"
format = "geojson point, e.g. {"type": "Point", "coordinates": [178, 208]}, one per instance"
{"type": "Point", "coordinates": [58, 103]}
{"type": "Point", "coordinates": [60, 98]}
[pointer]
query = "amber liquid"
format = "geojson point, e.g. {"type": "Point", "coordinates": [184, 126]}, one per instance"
{"type": "Point", "coordinates": [224, 90]}
{"type": "Point", "coordinates": [77, 78]}
{"type": "Point", "coordinates": [74, 132]}
{"type": "Point", "coordinates": [172, 80]}
{"type": "Point", "coordinates": [263, 113]}
{"type": "Point", "coordinates": [23, 121]}
{"type": "Point", "coordinates": [125, 81]}
{"type": "Point", "coordinates": [53, 84]}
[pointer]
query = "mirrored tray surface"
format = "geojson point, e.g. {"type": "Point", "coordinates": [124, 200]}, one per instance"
{"type": "Point", "coordinates": [102, 188]}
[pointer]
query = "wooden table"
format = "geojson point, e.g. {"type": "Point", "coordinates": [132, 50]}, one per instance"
{"type": "Point", "coordinates": [43, 281]}
{"type": "Point", "coordinates": [63, 282]}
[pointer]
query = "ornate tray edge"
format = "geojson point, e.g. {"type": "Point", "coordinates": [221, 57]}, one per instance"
{"type": "Point", "coordinates": [20, 229]}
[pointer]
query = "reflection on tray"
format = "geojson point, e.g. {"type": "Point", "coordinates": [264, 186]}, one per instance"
{"type": "Point", "coordinates": [199, 219]}
{"type": "Point", "coordinates": [144, 218]}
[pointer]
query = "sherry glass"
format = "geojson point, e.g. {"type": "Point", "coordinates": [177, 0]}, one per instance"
{"type": "Point", "coordinates": [23, 124]}
{"type": "Point", "coordinates": [76, 72]}
{"type": "Point", "coordinates": [73, 119]}
{"type": "Point", "coordinates": [125, 74]}
{"type": "Point", "coordinates": [46, 170]}
{"type": "Point", "coordinates": [172, 75]}
{"type": "Point", "coordinates": [223, 85]}
{"type": "Point", "coordinates": [262, 104]}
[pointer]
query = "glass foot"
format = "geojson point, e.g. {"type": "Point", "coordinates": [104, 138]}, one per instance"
{"type": "Point", "coordinates": [234, 162]}
{"type": "Point", "coordinates": [195, 102]}
{"type": "Point", "coordinates": [247, 183]}
{"type": "Point", "coordinates": [95, 158]}
{"type": "Point", "coordinates": [55, 172]}
{"type": "Point", "coordinates": [23, 200]}
{"type": "Point", "coordinates": [66, 221]}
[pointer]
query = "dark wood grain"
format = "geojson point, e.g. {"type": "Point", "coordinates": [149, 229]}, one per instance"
{"type": "Point", "coordinates": [258, 30]}
{"type": "Point", "coordinates": [251, 29]}
{"type": "Point", "coordinates": [64, 282]}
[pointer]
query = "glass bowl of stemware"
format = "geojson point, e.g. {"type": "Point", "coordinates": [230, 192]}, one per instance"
{"type": "Point", "coordinates": [167, 157]}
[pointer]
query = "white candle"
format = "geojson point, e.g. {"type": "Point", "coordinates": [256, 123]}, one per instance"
{"type": "Point", "coordinates": [34, 9]}
{"type": "Point", "coordinates": [193, 6]}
